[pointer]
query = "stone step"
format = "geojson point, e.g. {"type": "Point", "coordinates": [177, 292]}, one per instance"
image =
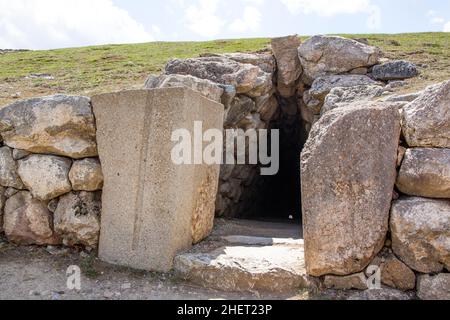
{"type": "Point", "coordinates": [276, 266]}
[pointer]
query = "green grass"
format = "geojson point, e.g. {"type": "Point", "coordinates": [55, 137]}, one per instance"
{"type": "Point", "coordinates": [92, 70]}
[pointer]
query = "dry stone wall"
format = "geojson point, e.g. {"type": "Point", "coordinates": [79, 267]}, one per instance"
{"type": "Point", "coordinates": [49, 175]}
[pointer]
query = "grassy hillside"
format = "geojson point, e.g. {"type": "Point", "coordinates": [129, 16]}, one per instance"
{"type": "Point", "coordinates": [98, 69]}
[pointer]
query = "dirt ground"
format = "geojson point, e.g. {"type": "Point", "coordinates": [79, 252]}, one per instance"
{"type": "Point", "coordinates": [40, 273]}
{"type": "Point", "coordinates": [33, 273]}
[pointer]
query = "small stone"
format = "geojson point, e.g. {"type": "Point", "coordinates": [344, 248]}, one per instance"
{"type": "Point", "coordinates": [396, 274]}
{"type": "Point", "coordinates": [126, 286]}
{"type": "Point", "coordinates": [108, 294]}
{"type": "Point", "coordinates": [425, 172]}
{"type": "Point", "coordinates": [20, 154]}
{"type": "Point", "coordinates": [383, 294]}
{"type": "Point", "coordinates": [77, 218]}
{"type": "Point", "coordinates": [355, 281]}
{"type": "Point", "coordinates": [420, 233]}
{"type": "Point", "coordinates": [401, 155]}
{"type": "Point", "coordinates": [8, 170]}
{"type": "Point", "coordinates": [86, 175]}
{"type": "Point", "coordinates": [27, 221]}
{"type": "Point", "coordinates": [426, 120]}
{"type": "Point", "coordinates": [47, 177]}
{"type": "Point", "coordinates": [395, 70]}
{"type": "Point", "coordinates": [52, 205]}
{"type": "Point", "coordinates": [434, 287]}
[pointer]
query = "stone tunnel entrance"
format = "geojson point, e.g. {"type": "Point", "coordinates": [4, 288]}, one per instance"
{"type": "Point", "coordinates": [277, 198]}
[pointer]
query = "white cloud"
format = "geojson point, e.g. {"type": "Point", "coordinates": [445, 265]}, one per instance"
{"type": "Point", "coordinates": [55, 23]}
{"type": "Point", "coordinates": [328, 8]}
{"type": "Point", "coordinates": [434, 17]}
{"type": "Point", "coordinates": [251, 20]}
{"type": "Point", "coordinates": [202, 18]}
{"type": "Point", "coordinates": [447, 27]}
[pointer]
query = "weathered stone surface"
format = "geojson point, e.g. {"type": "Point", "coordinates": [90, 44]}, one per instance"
{"type": "Point", "coordinates": [267, 107]}
{"type": "Point", "coordinates": [420, 231]}
{"type": "Point", "coordinates": [8, 170]}
{"type": "Point", "coordinates": [394, 273]}
{"type": "Point", "coordinates": [20, 154]}
{"type": "Point", "coordinates": [404, 97]}
{"type": "Point", "coordinates": [323, 85]}
{"type": "Point", "coordinates": [47, 177]}
{"type": "Point", "coordinates": [241, 107]}
{"type": "Point", "coordinates": [426, 120]}
{"type": "Point", "coordinates": [173, 205]}
{"type": "Point", "coordinates": [60, 125]}
{"type": "Point", "coordinates": [10, 192]}
{"type": "Point", "coordinates": [395, 70]}
{"type": "Point", "coordinates": [355, 281]}
{"type": "Point", "coordinates": [313, 104]}
{"type": "Point", "coordinates": [207, 88]}
{"type": "Point", "coordinates": [425, 172]}
{"type": "Point", "coordinates": [346, 194]}
{"type": "Point", "coordinates": [77, 218]}
{"type": "Point", "coordinates": [327, 55]}
{"type": "Point", "coordinates": [339, 97]}
{"type": "Point", "coordinates": [265, 61]}
{"type": "Point", "coordinates": [27, 221]}
{"type": "Point", "coordinates": [384, 294]}
{"type": "Point", "coordinates": [246, 268]}
{"type": "Point", "coordinates": [247, 78]}
{"type": "Point", "coordinates": [434, 287]}
{"type": "Point", "coordinates": [86, 175]}
{"type": "Point", "coordinates": [285, 50]}
{"type": "Point", "coordinates": [2, 204]}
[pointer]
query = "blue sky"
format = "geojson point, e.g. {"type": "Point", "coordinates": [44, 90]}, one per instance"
{"type": "Point", "coordinates": [45, 24]}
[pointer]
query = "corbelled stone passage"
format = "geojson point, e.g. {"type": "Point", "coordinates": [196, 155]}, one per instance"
{"type": "Point", "coordinates": [152, 207]}
{"type": "Point", "coordinates": [259, 91]}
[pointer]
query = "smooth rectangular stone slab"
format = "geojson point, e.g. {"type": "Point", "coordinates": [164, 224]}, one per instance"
{"type": "Point", "coordinates": [152, 209]}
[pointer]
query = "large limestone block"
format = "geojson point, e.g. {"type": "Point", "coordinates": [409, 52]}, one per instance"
{"type": "Point", "coordinates": [47, 177]}
{"type": "Point", "coordinates": [327, 55]}
{"type": "Point", "coordinates": [420, 231]}
{"type": "Point", "coordinates": [27, 221]}
{"type": "Point", "coordinates": [8, 170]}
{"type": "Point", "coordinates": [285, 50]}
{"type": "Point", "coordinates": [425, 172]}
{"type": "Point", "coordinates": [247, 78]}
{"type": "Point", "coordinates": [348, 169]}
{"type": "Point", "coordinates": [322, 86]}
{"type": "Point", "coordinates": [246, 268]}
{"type": "Point", "coordinates": [341, 96]}
{"type": "Point", "coordinates": [151, 208]}
{"type": "Point", "coordinates": [2, 204]}
{"type": "Point", "coordinates": [426, 120]}
{"type": "Point", "coordinates": [207, 88]}
{"type": "Point", "coordinates": [265, 61]}
{"type": "Point", "coordinates": [60, 125]}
